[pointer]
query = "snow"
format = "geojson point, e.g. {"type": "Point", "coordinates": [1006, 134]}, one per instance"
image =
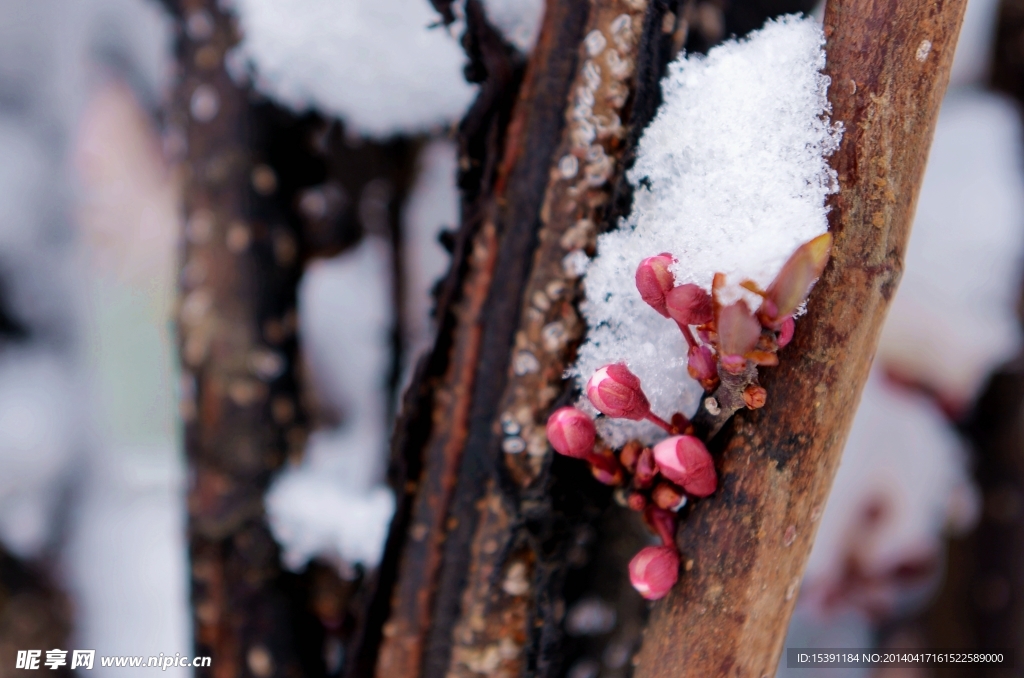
{"type": "Point", "coordinates": [334, 503]}
{"type": "Point", "coordinates": [903, 457]}
{"type": "Point", "coordinates": [974, 46]}
{"type": "Point", "coordinates": [518, 20]}
{"type": "Point", "coordinates": [383, 67]}
{"type": "Point", "coordinates": [91, 493]}
{"type": "Point", "coordinates": [731, 177]}
{"type": "Point", "coordinates": [37, 420]}
{"type": "Point", "coordinates": [125, 560]}
{"type": "Point", "coordinates": [432, 206]}
{"type": "Point", "coordinates": [953, 318]}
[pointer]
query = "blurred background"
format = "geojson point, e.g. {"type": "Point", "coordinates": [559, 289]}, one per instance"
{"type": "Point", "coordinates": [331, 122]}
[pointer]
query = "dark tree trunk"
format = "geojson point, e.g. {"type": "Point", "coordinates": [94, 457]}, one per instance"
{"type": "Point", "coordinates": [246, 405]}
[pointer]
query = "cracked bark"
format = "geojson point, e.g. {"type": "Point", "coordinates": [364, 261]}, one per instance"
{"type": "Point", "coordinates": [487, 529]}
{"type": "Point", "coordinates": [745, 548]}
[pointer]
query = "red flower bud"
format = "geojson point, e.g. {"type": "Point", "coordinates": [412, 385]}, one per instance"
{"type": "Point", "coordinates": [786, 331]}
{"type": "Point", "coordinates": [629, 455]}
{"type": "Point", "coordinates": [663, 523]}
{"type": "Point", "coordinates": [571, 432]}
{"type": "Point", "coordinates": [654, 571]}
{"type": "Point", "coordinates": [738, 332]}
{"type": "Point", "coordinates": [606, 469]}
{"type": "Point", "coordinates": [689, 305]}
{"type": "Point", "coordinates": [646, 469]}
{"type": "Point", "coordinates": [636, 501]}
{"type": "Point", "coordinates": [685, 461]}
{"type": "Point", "coordinates": [654, 281]}
{"type": "Point", "coordinates": [701, 364]}
{"type": "Point", "coordinates": [615, 391]}
{"type": "Point", "coordinates": [668, 496]}
{"type": "Point", "coordinates": [791, 286]}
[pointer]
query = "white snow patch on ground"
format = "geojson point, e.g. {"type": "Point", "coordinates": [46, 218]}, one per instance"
{"type": "Point", "coordinates": [731, 177]}
{"type": "Point", "coordinates": [334, 503]}
{"type": "Point", "coordinates": [384, 67]}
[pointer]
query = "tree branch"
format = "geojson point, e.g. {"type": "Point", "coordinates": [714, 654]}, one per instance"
{"type": "Point", "coordinates": [745, 548]}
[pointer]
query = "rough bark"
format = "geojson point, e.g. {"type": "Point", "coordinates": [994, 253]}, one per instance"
{"type": "Point", "coordinates": [508, 328]}
{"type": "Point", "coordinates": [745, 548]}
{"type": "Point", "coordinates": [266, 191]}
{"type": "Point", "coordinates": [489, 527]}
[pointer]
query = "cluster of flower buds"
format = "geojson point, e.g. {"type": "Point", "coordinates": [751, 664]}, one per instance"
{"type": "Point", "coordinates": [728, 338]}
{"type": "Point", "coordinates": [723, 340]}
{"type": "Point", "coordinates": [654, 480]}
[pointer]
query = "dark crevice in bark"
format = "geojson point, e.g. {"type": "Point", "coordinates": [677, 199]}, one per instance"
{"type": "Point", "coordinates": [481, 134]}
{"type": "Point", "coordinates": [518, 222]}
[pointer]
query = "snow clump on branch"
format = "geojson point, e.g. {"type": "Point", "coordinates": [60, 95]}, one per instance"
{"type": "Point", "coordinates": [385, 67]}
{"type": "Point", "coordinates": [731, 177]}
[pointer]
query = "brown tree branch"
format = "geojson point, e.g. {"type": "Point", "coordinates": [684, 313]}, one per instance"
{"type": "Point", "coordinates": [745, 548]}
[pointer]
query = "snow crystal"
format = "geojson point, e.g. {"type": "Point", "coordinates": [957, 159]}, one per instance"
{"type": "Point", "coordinates": [731, 177]}
{"type": "Point", "coordinates": [383, 66]}
{"type": "Point", "coordinates": [334, 504]}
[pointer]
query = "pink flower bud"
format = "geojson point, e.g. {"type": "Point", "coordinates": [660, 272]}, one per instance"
{"type": "Point", "coordinates": [654, 281]}
{"type": "Point", "coordinates": [793, 283]}
{"type": "Point", "coordinates": [645, 469]}
{"type": "Point", "coordinates": [786, 331]}
{"type": "Point", "coordinates": [701, 364]}
{"type": "Point", "coordinates": [636, 501]}
{"type": "Point", "coordinates": [738, 332]}
{"type": "Point", "coordinates": [630, 454]}
{"type": "Point", "coordinates": [668, 496]}
{"type": "Point", "coordinates": [606, 469]}
{"type": "Point", "coordinates": [654, 571]}
{"type": "Point", "coordinates": [571, 432]}
{"type": "Point", "coordinates": [685, 461]}
{"type": "Point", "coordinates": [615, 391]}
{"type": "Point", "coordinates": [663, 522]}
{"type": "Point", "coordinates": [689, 305]}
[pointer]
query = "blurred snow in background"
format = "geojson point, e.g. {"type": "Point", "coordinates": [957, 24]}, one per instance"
{"type": "Point", "coordinates": [89, 453]}
{"type": "Point", "coordinates": [386, 68]}
{"type": "Point", "coordinates": [376, 65]}
{"type": "Point", "coordinates": [335, 504]}
{"type": "Point", "coordinates": [432, 206]}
